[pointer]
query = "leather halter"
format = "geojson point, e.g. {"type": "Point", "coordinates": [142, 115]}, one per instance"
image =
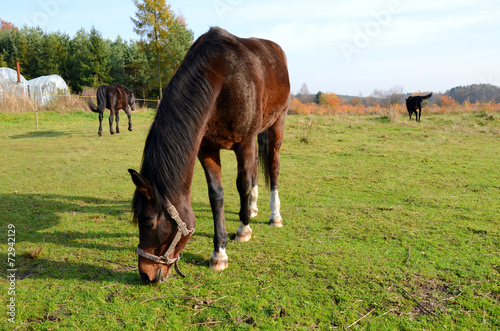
{"type": "Point", "coordinates": [181, 230]}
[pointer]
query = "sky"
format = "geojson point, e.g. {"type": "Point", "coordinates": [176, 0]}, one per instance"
{"type": "Point", "coordinates": [345, 47]}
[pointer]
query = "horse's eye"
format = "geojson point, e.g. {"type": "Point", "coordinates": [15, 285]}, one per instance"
{"type": "Point", "coordinates": [148, 225]}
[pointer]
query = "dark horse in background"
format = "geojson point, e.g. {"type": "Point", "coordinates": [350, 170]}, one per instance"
{"type": "Point", "coordinates": [113, 97]}
{"type": "Point", "coordinates": [228, 93]}
{"type": "Point", "coordinates": [415, 102]}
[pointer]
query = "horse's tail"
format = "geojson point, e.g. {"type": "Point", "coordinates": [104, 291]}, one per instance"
{"type": "Point", "coordinates": [263, 139]}
{"type": "Point", "coordinates": [92, 106]}
{"type": "Point", "coordinates": [427, 96]}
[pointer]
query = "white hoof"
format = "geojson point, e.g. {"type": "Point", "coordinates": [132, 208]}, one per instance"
{"type": "Point", "coordinates": [244, 233]}
{"type": "Point", "coordinates": [218, 261]}
{"type": "Point", "coordinates": [276, 223]}
{"type": "Point", "coordinates": [254, 212]}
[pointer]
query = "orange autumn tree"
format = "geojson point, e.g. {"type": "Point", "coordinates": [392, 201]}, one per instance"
{"type": "Point", "coordinates": [4, 25]}
{"type": "Point", "coordinates": [446, 101]}
{"type": "Point", "coordinates": [297, 106]}
{"type": "Point", "coordinates": [329, 100]}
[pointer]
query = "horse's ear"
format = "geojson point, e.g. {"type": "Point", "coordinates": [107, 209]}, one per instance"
{"type": "Point", "coordinates": [142, 183]}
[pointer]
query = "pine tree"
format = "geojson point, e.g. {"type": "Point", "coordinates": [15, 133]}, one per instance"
{"type": "Point", "coordinates": [79, 71]}
{"type": "Point", "coordinates": [99, 58]}
{"type": "Point", "coordinates": [178, 42]}
{"type": "Point", "coordinates": [2, 61]}
{"type": "Point", "coordinates": [153, 21]}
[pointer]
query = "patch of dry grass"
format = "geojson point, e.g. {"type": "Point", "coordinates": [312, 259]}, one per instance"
{"type": "Point", "coordinates": [11, 103]}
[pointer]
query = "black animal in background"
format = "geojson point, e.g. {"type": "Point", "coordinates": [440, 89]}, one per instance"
{"type": "Point", "coordinates": [415, 102]}
{"type": "Point", "coordinates": [113, 97]}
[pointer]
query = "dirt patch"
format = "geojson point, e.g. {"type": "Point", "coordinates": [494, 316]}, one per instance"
{"type": "Point", "coordinates": [431, 296]}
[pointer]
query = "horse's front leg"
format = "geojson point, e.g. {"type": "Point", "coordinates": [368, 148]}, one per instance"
{"type": "Point", "coordinates": [247, 163]}
{"type": "Point", "coordinates": [210, 161]}
{"type": "Point", "coordinates": [127, 111]}
{"type": "Point", "coordinates": [254, 194]}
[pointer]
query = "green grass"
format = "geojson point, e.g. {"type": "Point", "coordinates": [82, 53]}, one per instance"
{"type": "Point", "coordinates": [389, 225]}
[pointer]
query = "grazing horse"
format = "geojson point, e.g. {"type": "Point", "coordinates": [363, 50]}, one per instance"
{"type": "Point", "coordinates": [414, 102]}
{"type": "Point", "coordinates": [228, 93]}
{"type": "Point", "coordinates": [113, 97]}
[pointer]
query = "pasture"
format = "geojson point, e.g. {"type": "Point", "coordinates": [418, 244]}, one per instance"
{"type": "Point", "coordinates": [388, 225]}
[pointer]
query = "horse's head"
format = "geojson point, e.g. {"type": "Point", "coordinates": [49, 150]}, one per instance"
{"type": "Point", "coordinates": [131, 102]}
{"type": "Point", "coordinates": [162, 231]}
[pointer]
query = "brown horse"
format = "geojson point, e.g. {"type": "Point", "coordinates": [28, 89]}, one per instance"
{"type": "Point", "coordinates": [113, 97]}
{"type": "Point", "coordinates": [227, 92]}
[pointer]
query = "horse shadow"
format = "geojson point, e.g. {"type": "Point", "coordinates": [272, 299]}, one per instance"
{"type": "Point", "coordinates": [40, 134]}
{"type": "Point", "coordinates": [33, 214]}
{"type": "Point", "coordinates": [104, 271]}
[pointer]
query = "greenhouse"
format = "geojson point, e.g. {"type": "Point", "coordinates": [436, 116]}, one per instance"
{"type": "Point", "coordinates": [44, 88]}
{"type": "Point", "coordinates": [8, 82]}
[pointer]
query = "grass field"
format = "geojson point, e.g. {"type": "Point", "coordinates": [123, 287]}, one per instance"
{"type": "Point", "coordinates": [389, 225]}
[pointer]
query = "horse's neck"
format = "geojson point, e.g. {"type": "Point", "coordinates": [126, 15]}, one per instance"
{"type": "Point", "coordinates": [183, 125]}
{"type": "Point", "coordinates": [181, 152]}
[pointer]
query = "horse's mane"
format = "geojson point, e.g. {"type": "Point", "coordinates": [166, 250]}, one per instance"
{"type": "Point", "coordinates": [181, 115]}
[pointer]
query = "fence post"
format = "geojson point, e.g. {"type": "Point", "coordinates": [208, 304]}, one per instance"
{"type": "Point", "coordinates": [36, 110]}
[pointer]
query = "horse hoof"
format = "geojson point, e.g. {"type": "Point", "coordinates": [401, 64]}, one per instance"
{"type": "Point", "coordinates": [276, 223]}
{"type": "Point", "coordinates": [99, 133]}
{"type": "Point", "coordinates": [254, 212]}
{"type": "Point", "coordinates": [242, 237]}
{"type": "Point", "coordinates": [130, 129]}
{"type": "Point", "coordinates": [112, 133]}
{"type": "Point", "coordinates": [218, 265]}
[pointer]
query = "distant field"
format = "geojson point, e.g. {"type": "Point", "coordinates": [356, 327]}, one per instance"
{"type": "Point", "coordinates": [389, 225]}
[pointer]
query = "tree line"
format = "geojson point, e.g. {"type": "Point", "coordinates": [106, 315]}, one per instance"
{"type": "Point", "coordinates": [88, 59]}
{"type": "Point", "coordinates": [460, 94]}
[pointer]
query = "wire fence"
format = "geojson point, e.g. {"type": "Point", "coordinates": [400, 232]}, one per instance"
{"type": "Point", "coordinates": [17, 101]}
{"type": "Point", "coordinates": [11, 101]}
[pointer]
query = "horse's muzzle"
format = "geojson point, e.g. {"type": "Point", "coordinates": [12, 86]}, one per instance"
{"type": "Point", "coordinates": [159, 277]}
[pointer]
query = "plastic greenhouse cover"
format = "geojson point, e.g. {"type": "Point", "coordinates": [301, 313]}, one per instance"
{"type": "Point", "coordinates": [44, 87]}
{"type": "Point", "coordinates": [8, 75]}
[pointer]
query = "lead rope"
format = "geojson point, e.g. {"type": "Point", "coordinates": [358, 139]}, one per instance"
{"type": "Point", "coordinates": [176, 267]}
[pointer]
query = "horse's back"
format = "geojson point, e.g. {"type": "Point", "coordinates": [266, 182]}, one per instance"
{"type": "Point", "coordinates": [253, 92]}
{"type": "Point", "coordinates": [112, 96]}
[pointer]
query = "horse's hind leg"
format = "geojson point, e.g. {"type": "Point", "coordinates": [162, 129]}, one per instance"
{"type": "Point", "coordinates": [275, 140]}
{"type": "Point", "coordinates": [112, 113]}
{"type": "Point", "coordinates": [210, 160]}
{"type": "Point", "coordinates": [247, 162]}
{"type": "Point", "coordinates": [101, 115]}
{"type": "Point", "coordinates": [117, 120]}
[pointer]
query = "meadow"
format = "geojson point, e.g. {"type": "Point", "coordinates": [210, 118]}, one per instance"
{"type": "Point", "coordinates": [389, 224]}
